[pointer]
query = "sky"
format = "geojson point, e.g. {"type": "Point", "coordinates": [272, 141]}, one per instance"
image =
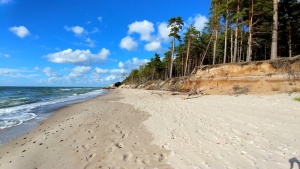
{"type": "Point", "coordinates": [86, 43]}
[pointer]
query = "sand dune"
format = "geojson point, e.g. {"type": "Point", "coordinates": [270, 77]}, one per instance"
{"type": "Point", "coordinates": [153, 129]}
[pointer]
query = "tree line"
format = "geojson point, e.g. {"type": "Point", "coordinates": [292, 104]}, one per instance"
{"type": "Point", "coordinates": [237, 31]}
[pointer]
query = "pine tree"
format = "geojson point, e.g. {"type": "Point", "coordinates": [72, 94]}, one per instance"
{"type": "Point", "coordinates": [190, 38]}
{"type": "Point", "coordinates": [176, 25]}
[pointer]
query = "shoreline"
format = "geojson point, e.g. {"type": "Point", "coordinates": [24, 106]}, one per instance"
{"type": "Point", "coordinates": [42, 113]}
{"type": "Point", "coordinates": [100, 132]}
{"type": "Point", "coordinates": [134, 128]}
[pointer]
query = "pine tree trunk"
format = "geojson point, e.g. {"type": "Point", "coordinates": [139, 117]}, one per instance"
{"type": "Point", "coordinates": [153, 72]}
{"type": "Point", "coordinates": [290, 41]}
{"type": "Point", "coordinates": [226, 32]}
{"type": "Point", "coordinates": [231, 45]}
{"type": "Point", "coordinates": [275, 30]}
{"type": "Point", "coordinates": [215, 45]}
{"type": "Point", "coordinates": [187, 56]}
{"type": "Point", "coordinates": [172, 57]}
{"type": "Point", "coordinates": [241, 45]}
{"type": "Point", "coordinates": [235, 42]}
{"type": "Point", "coordinates": [236, 33]}
{"type": "Point", "coordinates": [249, 53]}
{"type": "Point", "coordinates": [206, 49]}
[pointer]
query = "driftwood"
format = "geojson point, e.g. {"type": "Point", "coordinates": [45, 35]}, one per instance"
{"type": "Point", "coordinates": [194, 91]}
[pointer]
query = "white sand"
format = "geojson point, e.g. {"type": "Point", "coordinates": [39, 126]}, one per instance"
{"type": "Point", "coordinates": [222, 131]}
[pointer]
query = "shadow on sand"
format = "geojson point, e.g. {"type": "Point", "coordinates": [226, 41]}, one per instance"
{"type": "Point", "coordinates": [294, 160]}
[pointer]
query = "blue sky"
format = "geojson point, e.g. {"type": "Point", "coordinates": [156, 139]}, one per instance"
{"type": "Point", "coordinates": [85, 42]}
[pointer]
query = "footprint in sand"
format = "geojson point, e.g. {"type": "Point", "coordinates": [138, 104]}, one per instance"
{"type": "Point", "coordinates": [90, 157]}
{"type": "Point", "coordinates": [85, 146]}
{"type": "Point", "coordinates": [127, 156]}
{"type": "Point", "coordinates": [119, 145]}
{"type": "Point", "coordinates": [110, 149]}
{"type": "Point", "coordinates": [125, 135]}
{"type": "Point", "coordinates": [161, 157]}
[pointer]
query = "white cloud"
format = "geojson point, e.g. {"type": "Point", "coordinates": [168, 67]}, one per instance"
{"type": "Point", "coordinates": [22, 72]}
{"type": "Point", "coordinates": [164, 31]}
{"type": "Point", "coordinates": [199, 21]}
{"type": "Point", "coordinates": [90, 42]}
{"type": "Point", "coordinates": [77, 30]}
{"type": "Point", "coordinates": [4, 55]}
{"type": "Point", "coordinates": [109, 71]}
{"type": "Point", "coordinates": [128, 43]}
{"type": "Point", "coordinates": [49, 72]}
{"type": "Point", "coordinates": [110, 78]}
{"type": "Point", "coordinates": [78, 72]}
{"type": "Point", "coordinates": [36, 68]}
{"type": "Point", "coordinates": [117, 74]}
{"type": "Point", "coordinates": [78, 57]}
{"type": "Point", "coordinates": [99, 18]}
{"type": "Point", "coordinates": [101, 71]}
{"type": "Point", "coordinates": [5, 1]}
{"type": "Point", "coordinates": [20, 31]}
{"type": "Point", "coordinates": [122, 65]}
{"type": "Point", "coordinates": [144, 28]}
{"type": "Point", "coordinates": [132, 64]}
{"type": "Point", "coordinates": [153, 46]}
{"type": "Point", "coordinates": [5, 71]}
{"type": "Point", "coordinates": [95, 30]}
{"type": "Point", "coordinates": [78, 75]}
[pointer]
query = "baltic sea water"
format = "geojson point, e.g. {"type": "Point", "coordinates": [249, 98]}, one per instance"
{"type": "Point", "coordinates": [23, 108]}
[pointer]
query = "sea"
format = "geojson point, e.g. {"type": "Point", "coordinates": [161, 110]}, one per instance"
{"type": "Point", "coordinates": [23, 108]}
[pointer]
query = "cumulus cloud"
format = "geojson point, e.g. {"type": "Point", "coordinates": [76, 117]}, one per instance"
{"type": "Point", "coordinates": [132, 64]}
{"type": "Point", "coordinates": [78, 72]}
{"type": "Point", "coordinates": [53, 76]}
{"type": "Point", "coordinates": [153, 46]}
{"type": "Point", "coordinates": [110, 78]}
{"type": "Point", "coordinates": [119, 73]}
{"type": "Point", "coordinates": [20, 31]}
{"type": "Point", "coordinates": [144, 28]}
{"type": "Point", "coordinates": [77, 30]}
{"type": "Point", "coordinates": [164, 31]}
{"type": "Point", "coordinates": [128, 43]}
{"type": "Point", "coordinates": [49, 72]}
{"type": "Point", "coordinates": [199, 21]}
{"type": "Point", "coordinates": [122, 65]}
{"type": "Point", "coordinates": [78, 57]}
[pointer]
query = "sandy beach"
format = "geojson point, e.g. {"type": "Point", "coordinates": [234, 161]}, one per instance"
{"type": "Point", "coordinates": [153, 129]}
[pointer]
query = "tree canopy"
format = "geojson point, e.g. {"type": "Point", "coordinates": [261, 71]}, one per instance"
{"type": "Point", "coordinates": [237, 31]}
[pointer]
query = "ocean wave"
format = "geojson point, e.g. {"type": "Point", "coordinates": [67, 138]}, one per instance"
{"type": "Point", "coordinates": [15, 120]}
{"type": "Point", "coordinates": [65, 89]}
{"type": "Point", "coordinates": [10, 102]}
{"type": "Point", "coordinates": [16, 115]}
